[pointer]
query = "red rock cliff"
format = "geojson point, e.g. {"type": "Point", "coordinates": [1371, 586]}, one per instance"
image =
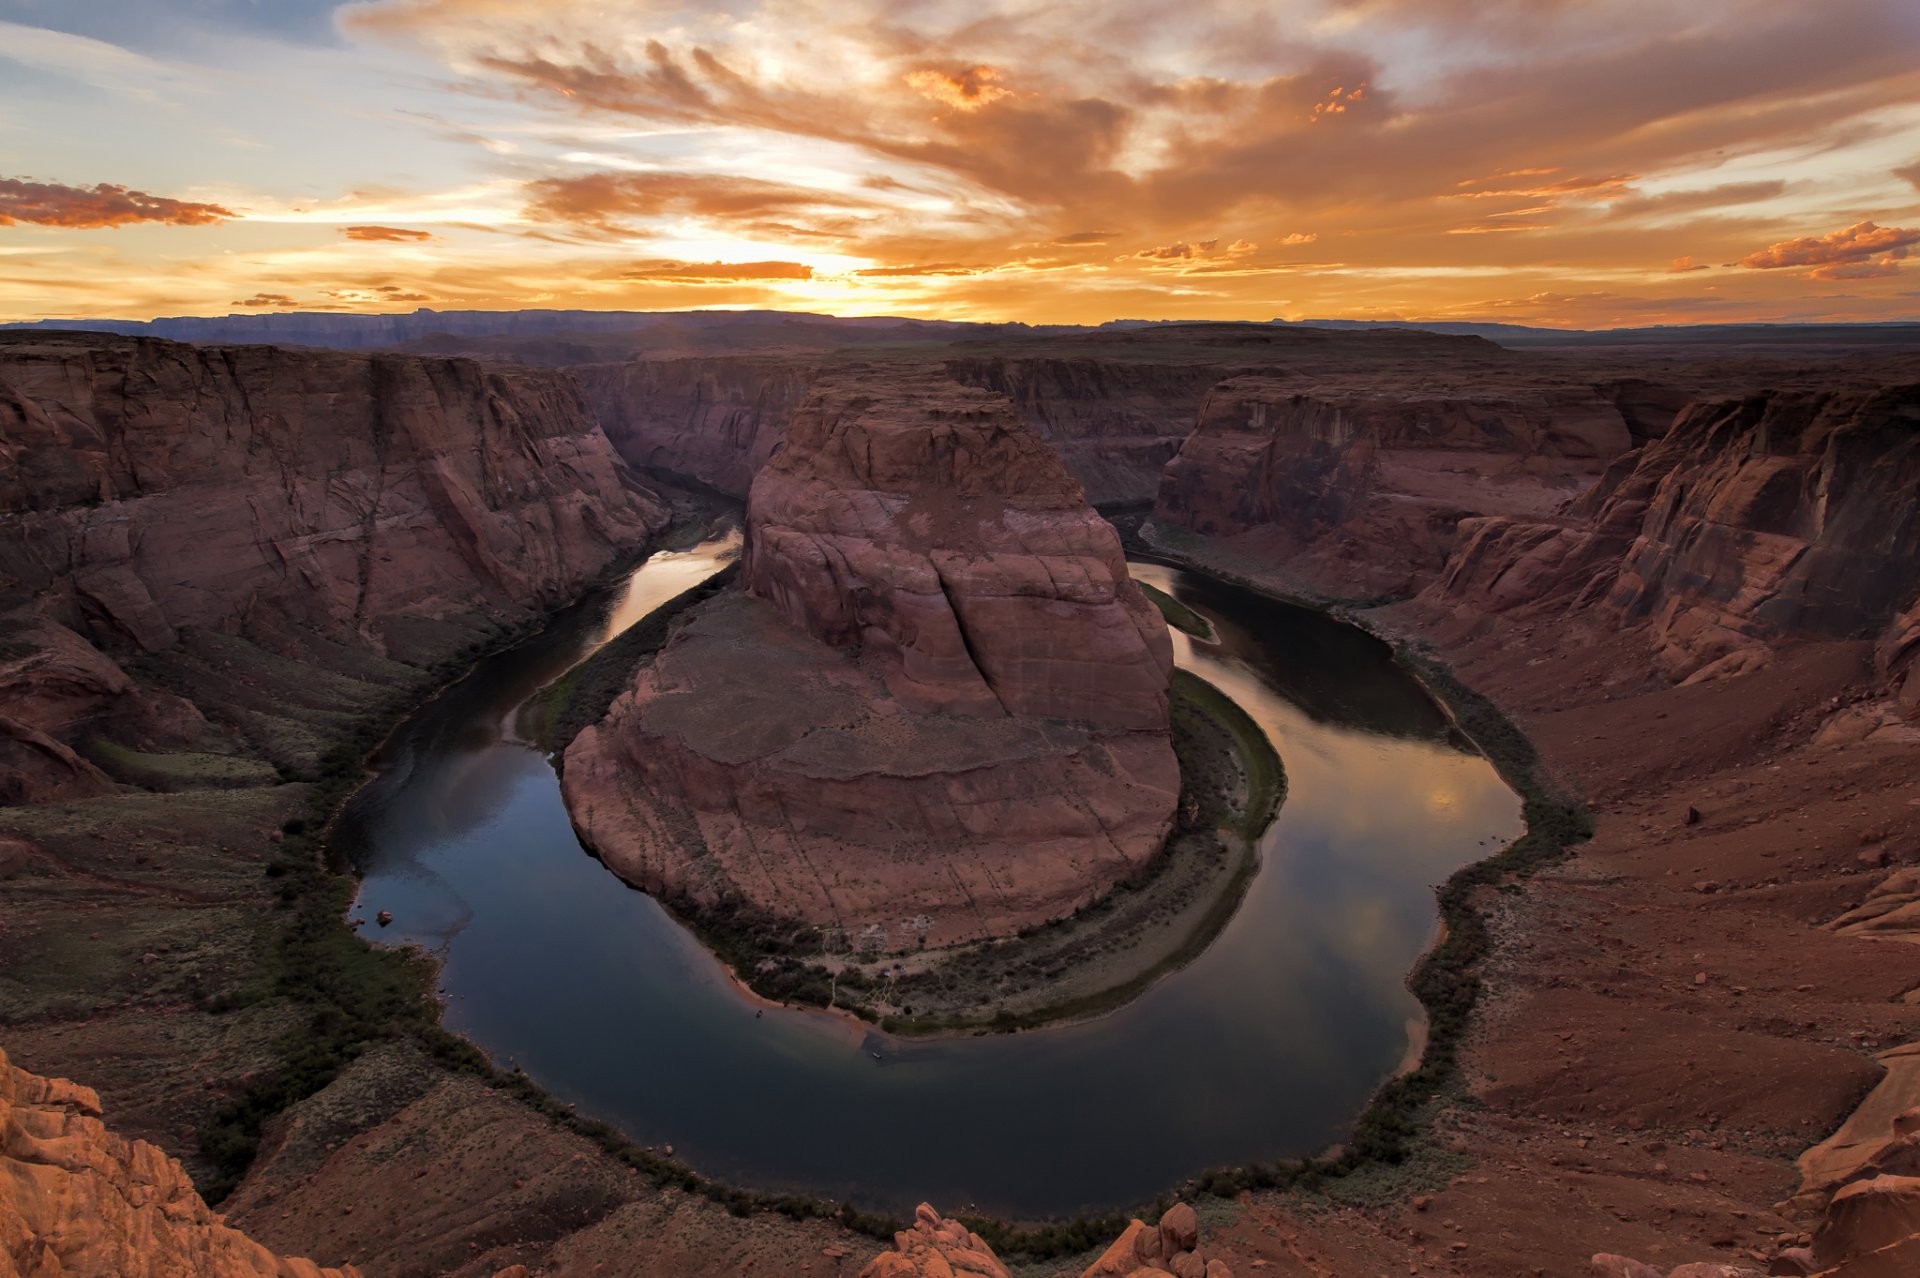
{"type": "Point", "coordinates": [1790, 513]}
{"type": "Point", "coordinates": [148, 486]}
{"type": "Point", "coordinates": [927, 524]}
{"type": "Point", "coordinates": [1364, 481]}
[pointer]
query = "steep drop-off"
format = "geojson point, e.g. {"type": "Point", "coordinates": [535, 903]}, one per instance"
{"type": "Point", "coordinates": [1363, 482]}
{"type": "Point", "coordinates": [150, 489]}
{"type": "Point", "coordinates": [940, 711]}
{"type": "Point", "coordinates": [1786, 514]}
{"type": "Point", "coordinates": [713, 420]}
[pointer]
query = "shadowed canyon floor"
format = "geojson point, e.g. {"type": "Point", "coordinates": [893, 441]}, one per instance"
{"type": "Point", "coordinates": [1670, 1020]}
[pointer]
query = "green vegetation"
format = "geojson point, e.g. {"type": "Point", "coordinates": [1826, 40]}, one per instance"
{"type": "Point", "coordinates": [1266, 776]}
{"type": "Point", "coordinates": [1178, 615]}
{"type": "Point", "coordinates": [583, 694]}
{"type": "Point", "coordinates": [179, 770]}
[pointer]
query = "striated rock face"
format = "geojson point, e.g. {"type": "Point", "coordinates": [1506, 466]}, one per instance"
{"type": "Point", "coordinates": [940, 713]}
{"type": "Point", "coordinates": [713, 420]}
{"type": "Point", "coordinates": [1364, 484]}
{"type": "Point", "coordinates": [926, 524]}
{"type": "Point", "coordinates": [717, 419]}
{"type": "Point", "coordinates": [147, 488]}
{"type": "Point", "coordinates": [1115, 423]}
{"type": "Point", "coordinates": [1897, 653]}
{"type": "Point", "coordinates": [1783, 514]}
{"type": "Point", "coordinates": [77, 1201]}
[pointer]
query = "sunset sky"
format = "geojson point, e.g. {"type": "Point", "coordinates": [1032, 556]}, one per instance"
{"type": "Point", "coordinates": [1566, 162]}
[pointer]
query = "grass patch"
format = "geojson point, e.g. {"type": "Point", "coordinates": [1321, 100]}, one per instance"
{"type": "Point", "coordinates": [1178, 615]}
{"type": "Point", "coordinates": [582, 695]}
{"type": "Point", "coordinates": [1266, 776]}
{"type": "Point", "coordinates": [184, 770]}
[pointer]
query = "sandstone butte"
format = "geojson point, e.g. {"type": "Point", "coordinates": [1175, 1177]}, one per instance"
{"type": "Point", "coordinates": [149, 489]}
{"type": "Point", "coordinates": [77, 1201]}
{"type": "Point", "coordinates": [937, 712]}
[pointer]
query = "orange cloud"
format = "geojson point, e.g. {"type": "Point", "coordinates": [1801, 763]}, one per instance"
{"type": "Point", "coordinates": [720, 272]}
{"type": "Point", "coordinates": [384, 234]}
{"type": "Point", "coordinates": [1177, 250]}
{"type": "Point", "coordinates": [969, 90]}
{"type": "Point", "coordinates": [265, 299]}
{"type": "Point", "coordinates": [932, 268]}
{"type": "Point", "coordinates": [1681, 265]}
{"type": "Point", "coordinates": [104, 205]}
{"type": "Point", "coordinates": [608, 203]}
{"type": "Point", "coordinates": [1857, 243]}
{"type": "Point", "coordinates": [1877, 269]}
{"type": "Point", "coordinates": [1911, 173]}
{"type": "Point", "coordinates": [1086, 237]}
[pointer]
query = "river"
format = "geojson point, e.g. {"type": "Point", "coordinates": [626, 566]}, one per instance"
{"type": "Point", "coordinates": [1266, 1045]}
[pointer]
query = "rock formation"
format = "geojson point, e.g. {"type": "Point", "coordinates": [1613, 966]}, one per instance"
{"type": "Point", "coordinates": [940, 710]}
{"type": "Point", "coordinates": [1786, 513]}
{"type": "Point", "coordinates": [1115, 422]}
{"type": "Point", "coordinates": [77, 1201]}
{"type": "Point", "coordinates": [147, 488]}
{"type": "Point", "coordinates": [1362, 483]}
{"type": "Point", "coordinates": [711, 420]}
{"type": "Point", "coordinates": [937, 1248]}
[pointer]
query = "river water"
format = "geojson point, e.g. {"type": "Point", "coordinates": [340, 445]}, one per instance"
{"type": "Point", "coordinates": [1267, 1045]}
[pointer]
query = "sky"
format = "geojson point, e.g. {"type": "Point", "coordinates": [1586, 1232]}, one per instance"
{"type": "Point", "coordinates": [1582, 163]}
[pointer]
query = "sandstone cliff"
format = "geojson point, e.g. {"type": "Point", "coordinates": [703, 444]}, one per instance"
{"type": "Point", "coordinates": [149, 488]}
{"type": "Point", "coordinates": [713, 420]}
{"type": "Point", "coordinates": [1790, 513]}
{"type": "Point", "coordinates": [1363, 482]}
{"type": "Point", "coordinates": [77, 1201]}
{"type": "Point", "coordinates": [1116, 423]}
{"type": "Point", "coordinates": [940, 712]}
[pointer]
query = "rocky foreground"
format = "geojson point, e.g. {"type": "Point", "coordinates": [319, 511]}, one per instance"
{"type": "Point", "coordinates": [937, 713]}
{"type": "Point", "coordinates": [78, 1201]}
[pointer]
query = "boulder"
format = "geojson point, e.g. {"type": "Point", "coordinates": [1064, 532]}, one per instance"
{"type": "Point", "coordinates": [77, 1201]}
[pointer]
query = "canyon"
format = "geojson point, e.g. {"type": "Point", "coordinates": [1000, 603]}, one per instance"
{"type": "Point", "coordinates": [1688, 576]}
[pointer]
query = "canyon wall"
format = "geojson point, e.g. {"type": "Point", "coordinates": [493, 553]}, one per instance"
{"type": "Point", "coordinates": [1787, 513]}
{"type": "Point", "coordinates": [1116, 423]}
{"type": "Point", "coordinates": [150, 489]}
{"type": "Point", "coordinates": [716, 420]}
{"type": "Point", "coordinates": [1362, 482]}
{"type": "Point", "coordinates": [78, 1201]}
{"type": "Point", "coordinates": [938, 713]}
{"type": "Point", "coordinates": [711, 420]}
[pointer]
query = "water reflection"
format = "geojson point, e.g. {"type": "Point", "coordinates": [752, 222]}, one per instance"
{"type": "Point", "coordinates": [1267, 1044]}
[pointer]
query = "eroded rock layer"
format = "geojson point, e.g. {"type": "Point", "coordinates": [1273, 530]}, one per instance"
{"type": "Point", "coordinates": [1781, 514]}
{"type": "Point", "coordinates": [1363, 483]}
{"type": "Point", "coordinates": [149, 489]}
{"type": "Point", "coordinates": [77, 1201]}
{"type": "Point", "coordinates": [940, 712]}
